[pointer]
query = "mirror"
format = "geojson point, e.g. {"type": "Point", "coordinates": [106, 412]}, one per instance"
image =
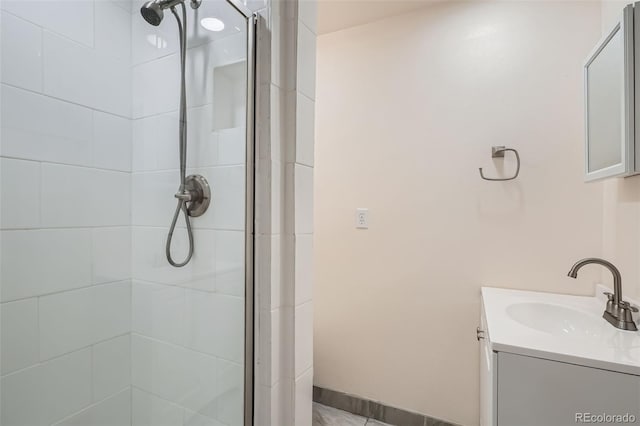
{"type": "Point", "coordinates": [609, 100]}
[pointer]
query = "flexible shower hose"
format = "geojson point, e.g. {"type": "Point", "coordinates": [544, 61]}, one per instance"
{"type": "Point", "coordinates": [183, 196]}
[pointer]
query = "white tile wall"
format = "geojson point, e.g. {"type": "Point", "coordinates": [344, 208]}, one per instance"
{"type": "Point", "coordinates": [306, 61]}
{"type": "Point", "coordinates": [159, 311]}
{"type": "Point", "coordinates": [111, 142]}
{"type": "Point", "coordinates": [46, 393]}
{"type": "Point", "coordinates": [19, 333]}
{"type": "Point", "coordinates": [303, 338]}
{"type": "Point", "coordinates": [113, 411]}
{"type": "Point", "coordinates": [303, 199]}
{"type": "Point", "coordinates": [50, 137]}
{"type": "Point", "coordinates": [44, 261]}
{"type": "Point", "coordinates": [214, 324]}
{"type": "Point", "coordinates": [305, 128]}
{"type": "Point", "coordinates": [21, 52]}
{"type": "Point", "coordinates": [106, 197]}
{"type": "Point", "coordinates": [82, 75]}
{"type": "Point", "coordinates": [111, 365]}
{"type": "Point", "coordinates": [20, 188]}
{"type": "Point", "coordinates": [176, 374]}
{"type": "Point", "coordinates": [72, 19]}
{"type": "Point", "coordinates": [303, 268]}
{"type": "Point", "coordinates": [150, 410]}
{"type": "Point", "coordinates": [72, 320]}
{"type": "Point", "coordinates": [111, 254]}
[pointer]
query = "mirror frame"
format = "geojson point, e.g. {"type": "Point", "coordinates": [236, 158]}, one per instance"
{"type": "Point", "coordinates": [626, 166]}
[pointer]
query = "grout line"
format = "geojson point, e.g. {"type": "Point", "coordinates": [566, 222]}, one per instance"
{"type": "Point", "coordinates": [66, 101]}
{"type": "Point", "coordinates": [179, 346]}
{"type": "Point", "coordinates": [48, 360]}
{"type": "Point", "coordinates": [85, 287]}
{"type": "Point", "coordinates": [59, 163]}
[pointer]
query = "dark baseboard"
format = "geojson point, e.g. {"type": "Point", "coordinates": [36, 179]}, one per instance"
{"type": "Point", "coordinates": [372, 409]}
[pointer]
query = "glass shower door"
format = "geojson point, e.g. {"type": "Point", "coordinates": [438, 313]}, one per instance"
{"type": "Point", "coordinates": [97, 328]}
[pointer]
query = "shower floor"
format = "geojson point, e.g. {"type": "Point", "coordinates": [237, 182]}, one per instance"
{"type": "Point", "coordinates": [329, 416]}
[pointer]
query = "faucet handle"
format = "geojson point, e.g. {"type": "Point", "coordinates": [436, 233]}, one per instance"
{"type": "Point", "coordinates": [609, 295]}
{"type": "Point", "coordinates": [626, 305]}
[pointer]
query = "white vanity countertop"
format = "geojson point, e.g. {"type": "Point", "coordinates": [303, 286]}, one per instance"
{"type": "Point", "coordinates": [593, 343]}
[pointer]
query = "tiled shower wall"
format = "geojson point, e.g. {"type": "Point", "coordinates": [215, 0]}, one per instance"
{"type": "Point", "coordinates": [65, 175]}
{"type": "Point", "coordinates": [188, 323]}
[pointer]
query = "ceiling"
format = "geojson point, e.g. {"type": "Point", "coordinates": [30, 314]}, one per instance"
{"type": "Point", "coordinates": [334, 15]}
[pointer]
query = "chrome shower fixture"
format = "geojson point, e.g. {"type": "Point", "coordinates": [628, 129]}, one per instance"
{"type": "Point", "coordinates": [153, 11]}
{"type": "Point", "coordinates": [194, 193]}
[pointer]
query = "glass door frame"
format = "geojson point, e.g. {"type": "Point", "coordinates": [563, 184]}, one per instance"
{"type": "Point", "coordinates": [249, 300]}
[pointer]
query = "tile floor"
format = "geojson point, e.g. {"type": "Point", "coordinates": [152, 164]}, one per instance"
{"type": "Point", "coordinates": [329, 416]}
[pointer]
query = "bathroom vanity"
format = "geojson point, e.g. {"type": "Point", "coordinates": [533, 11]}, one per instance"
{"type": "Point", "coordinates": [551, 359]}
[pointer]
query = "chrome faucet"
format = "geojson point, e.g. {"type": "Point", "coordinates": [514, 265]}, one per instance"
{"type": "Point", "coordinates": [618, 312]}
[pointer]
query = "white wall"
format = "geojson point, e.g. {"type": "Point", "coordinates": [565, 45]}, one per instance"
{"type": "Point", "coordinates": [65, 218]}
{"type": "Point", "coordinates": [408, 109]}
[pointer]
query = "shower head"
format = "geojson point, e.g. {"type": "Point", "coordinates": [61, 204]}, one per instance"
{"type": "Point", "coordinates": [153, 10]}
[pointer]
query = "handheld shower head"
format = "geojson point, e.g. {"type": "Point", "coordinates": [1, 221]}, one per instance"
{"type": "Point", "coordinates": [153, 10]}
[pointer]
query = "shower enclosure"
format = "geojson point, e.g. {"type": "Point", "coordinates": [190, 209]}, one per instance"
{"type": "Point", "coordinates": [97, 327]}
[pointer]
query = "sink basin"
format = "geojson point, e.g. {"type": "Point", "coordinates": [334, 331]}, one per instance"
{"type": "Point", "coordinates": [556, 319]}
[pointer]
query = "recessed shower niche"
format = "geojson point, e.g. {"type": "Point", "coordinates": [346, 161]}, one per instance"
{"type": "Point", "coordinates": [229, 100]}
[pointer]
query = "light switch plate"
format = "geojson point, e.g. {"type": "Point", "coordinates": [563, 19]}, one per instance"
{"type": "Point", "coordinates": [362, 218]}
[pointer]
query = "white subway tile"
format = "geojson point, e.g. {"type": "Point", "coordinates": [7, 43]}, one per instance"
{"type": "Point", "coordinates": [111, 367]}
{"type": "Point", "coordinates": [306, 62]}
{"type": "Point", "coordinates": [48, 392]}
{"type": "Point", "coordinates": [153, 201]}
{"type": "Point", "coordinates": [74, 319]}
{"type": "Point", "coordinates": [227, 209]}
{"type": "Point", "coordinates": [282, 46]}
{"type": "Point", "coordinates": [76, 73]}
{"type": "Point", "coordinates": [111, 83]}
{"type": "Point", "coordinates": [214, 324]}
{"type": "Point", "coordinates": [21, 53]}
{"type": "Point", "coordinates": [111, 254]}
{"type": "Point", "coordinates": [151, 93]}
{"type": "Point", "coordinates": [308, 14]}
{"type": "Point", "coordinates": [149, 42]}
{"type": "Point", "coordinates": [203, 141]}
{"type": "Point", "coordinates": [303, 268]}
{"type": "Point", "coordinates": [112, 138]}
{"type": "Point", "coordinates": [68, 70]}
{"type": "Point", "coordinates": [20, 189]}
{"type": "Point", "coordinates": [149, 410]}
{"type": "Point", "coordinates": [50, 137]}
{"type": "Point", "coordinates": [303, 194]}
{"type": "Point", "coordinates": [176, 374]}
{"type": "Point", "coordinates": [230, 402]}
{"type": "Point", "coordinates": [150, 263]}
{"type": "Point", "coordinates": [232, 146]}
{"type": "Point", "coordinates": [78, 196]}
{"type": "Point", "coordinates": [112, 31]}
{"type": "Point", "coordinates": [71, 18]}
{"type": "Point", "coordinates": [159, 311]}
{"type": "Point", "coordinates": [192, 418]}
{"type": "Point", "coordinates": [113, 411]}
{"type": "Point", "coordinates": [19, 335]}
{"type": "Point", "coordinates": [44, 261]}
{"type": "Point", "coordinates": [303, 338]}
{"type": "Point", "coordinates": [305, 128]}
{"type": "Point", "coordinates": [304, 399]}
{"type": "Point", "coordinates": [155, 143]}
{"type": "Point", "coordinates": [229, 262]}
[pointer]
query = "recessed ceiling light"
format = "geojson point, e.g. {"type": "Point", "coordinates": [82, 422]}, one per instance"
{"type": "Point", "coordinates": [212, 24]}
